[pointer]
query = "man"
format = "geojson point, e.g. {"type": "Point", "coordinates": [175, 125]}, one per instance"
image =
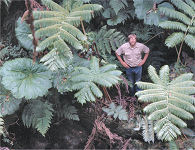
{"type": "Point", "coordinates": [132, 55]}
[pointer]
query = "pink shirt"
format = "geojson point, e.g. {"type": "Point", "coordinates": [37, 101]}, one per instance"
{"type": "Point", "coordinates": [132, 55]}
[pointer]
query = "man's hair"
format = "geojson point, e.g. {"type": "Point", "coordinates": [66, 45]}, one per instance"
{"type": "Point", "coordinates": [131, 35]}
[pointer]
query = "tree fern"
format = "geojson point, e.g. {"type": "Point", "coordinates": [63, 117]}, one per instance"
{"type": "Point", "coordinates": [56, 30]}
{"type": "Point", "coordinates": [183, 26]}
{"type": "Point", "coordinates": [116, 112]}
{"type": "Point", "coordinates": [25, 79]}
{"type": "Point", "coordinates": [69, 112]}
{"type": "Point", "coordinates": [170, 101]}
{"type": "Point", "coordinates": [38, 114]}
{"type": "Point", "coordinates": [85, 79]}
{"type": "Point", "coordinates": [108, 40]}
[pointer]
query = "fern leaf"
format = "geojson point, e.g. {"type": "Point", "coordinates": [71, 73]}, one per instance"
{"type": "Point", "coordinates": [69, 112]}
{"type": "Point", "coordinates": [175, 15]}
{"type": "Point", "coordinates": [183, 6]}
{"type": "Point", "coordinates": [38, 115]}
{"type": "Point", "coordinates": [54, 6]}
{"type": "Point", "coordinates": [170, 102]}
{"type": "Point", "coordinates": [153, 75]}
{"type": "Point", "coordinates": [93, 7]}
{"type": "Point", "coordinates": [148, 131]}
{"type": "Point", "coordinates": [173, 25]}
{"type": "Point", "coordinates": [174, 39]}
{"type": "Point", "coordinates": [25, 79]}
{"type": "Point", "coordinates": [190, 41]}
{"type": "Point", "coordinates": [1, 125]}
{"type": "Point", "coordinates": [85, 80]}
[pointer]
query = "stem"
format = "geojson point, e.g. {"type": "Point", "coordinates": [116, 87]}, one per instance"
{"type": "Point", "coordinates": [153, 37]}
{"type": "Point", "coordinates": [178, 57]}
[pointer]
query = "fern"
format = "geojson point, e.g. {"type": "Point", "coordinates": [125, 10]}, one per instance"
{"type": "Point", "coordinates": [25, 79]}
{"type": "Point", "coordinates": [183, 24]}
{"type": "Point", "coordinates": [56, 29]}
{"type": "Point", "coordinates": [173, 145]}
{"type": "Point", "coordinates": [144, 10]}
{"type": "Point", "coordinates": [148, 131]}
{"type": "Point", "coordinates": [116, 111]}
{"type": "Point", "coordinates": [69, 112]}
{"type": "Point", "coordinates": [38, 115]}
{"type": "Point", "coordinates": [108, 40]}
{"type": "Point", "coordinates": [1, 125]}
{"type": "Point", "coordinates": [170, 101]}
{"type": "Point", "coordinates": [85, 79]}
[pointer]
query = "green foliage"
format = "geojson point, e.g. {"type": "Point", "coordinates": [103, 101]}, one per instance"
{"type": "Point", "coordinates": [69, 112]}
{"type": "Point", "coordinates": [148, 130]}
{"type": "Point", "coordinates": [57, 31]}
{"type": "Point", "coordinates": [117, 11]}
{"type": "Point", "coordinates": [116, 111]}
{"type": "Point", "coordinates": [144, 10]}
{"type": "Point", "coordinates": [25, 79]}
{"type": "Point", "coordinates": [108, 40]}
{"type": "Point", "coordinates": [85, 79]}
{"type": "Point", "coordinates": [38, 114]}
{"type": "Point", "coordinates": [24, 34]}
{"type": "Point", "coordinates": [170, 101]}
{"type": "Point", "coordinates": [61, 78]}
{"type": "Point", "coordinates": [1, 125]}
{"type": "Point", "coordinates": [173, 145]}
{"type": "Point", "coordinates": [182, 23]}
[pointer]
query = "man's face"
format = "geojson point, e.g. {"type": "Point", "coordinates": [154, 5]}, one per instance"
{"type": "Point", "coordinates": [132, 41]}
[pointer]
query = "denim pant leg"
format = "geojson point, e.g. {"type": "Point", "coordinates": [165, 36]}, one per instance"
{"type": "Point", "coordinates": [138, 75]}
{"type": "Point", "coordinates": [131, 77]}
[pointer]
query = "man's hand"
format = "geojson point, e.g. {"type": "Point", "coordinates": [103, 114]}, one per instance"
{"type": "Point", "coordinates": [125, 64]}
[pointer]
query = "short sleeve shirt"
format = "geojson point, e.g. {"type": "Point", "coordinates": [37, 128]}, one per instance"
{"type": "Point", "coordinates": [132, 55]}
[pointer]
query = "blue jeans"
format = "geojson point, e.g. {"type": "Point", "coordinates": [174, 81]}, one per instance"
{"type": "Point", "coordinates": [134, 75]}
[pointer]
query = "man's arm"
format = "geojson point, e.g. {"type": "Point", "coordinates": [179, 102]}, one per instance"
{"type": "Point", "coordinates": [121, 61]}
{"type": "Point", "coordinates": [144, 59]}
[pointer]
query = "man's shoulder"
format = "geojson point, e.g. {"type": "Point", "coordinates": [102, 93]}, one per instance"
{"type": "Point", "coordinates": [139, 44]}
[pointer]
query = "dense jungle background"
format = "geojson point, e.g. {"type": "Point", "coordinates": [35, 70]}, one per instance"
{"type": "Point", "coordinates": [62, 86]}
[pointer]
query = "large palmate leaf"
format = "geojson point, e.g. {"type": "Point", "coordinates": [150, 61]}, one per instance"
{"type": "Point", "coordinates": [170, 101]}
{"type": "Point", "coordinates": [25, 79]}
{"type": "Point", "coordinates": [153, 17]}
{"type": "Point", "coordinates": [86, 80]}
{"type": "Point", "coordinates": [8, 104]}
{"type": "Point", "coordinates": [24, 34]}
{"type": "Point", "coordinates": [38, 115]}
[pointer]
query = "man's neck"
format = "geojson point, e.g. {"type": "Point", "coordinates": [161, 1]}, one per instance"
{"type": "Point", "coordinates": [132, 46]}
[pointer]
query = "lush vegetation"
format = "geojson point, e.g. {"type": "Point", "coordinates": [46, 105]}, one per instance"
{"type": "Point", "coordinates": [68, 48]}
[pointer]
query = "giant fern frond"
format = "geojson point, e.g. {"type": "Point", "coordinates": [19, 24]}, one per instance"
{"type": "Point", "coordinates": [38, 115]}
{"type": "Point", "coordinates": [86, 80]}
{"type": "Point", "coordinates": [170, 101]}
{"type": "Point", "coordinates": [183, 24]}
{"type": "Point", "coordinates": [56, 29]}
{"type": "Point", "coordinates": [25, 79]}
